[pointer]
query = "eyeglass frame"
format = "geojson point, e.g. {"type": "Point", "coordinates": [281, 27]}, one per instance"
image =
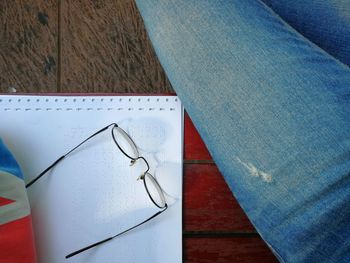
{"type": "Point", "coordinates": [142, 177]}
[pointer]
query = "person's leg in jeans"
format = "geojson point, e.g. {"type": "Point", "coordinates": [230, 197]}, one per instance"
{"type": "Point", "coordinates": [324, 22]}
{"type": "Point", "coordinates": [273, 109]}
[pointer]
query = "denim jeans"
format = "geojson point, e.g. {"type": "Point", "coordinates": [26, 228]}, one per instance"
{"type": "Point", "coordinates": [272, 105]}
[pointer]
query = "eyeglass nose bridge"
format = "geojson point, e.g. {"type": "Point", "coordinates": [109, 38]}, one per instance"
{"type": "Point", "coordinates": [133, 161]}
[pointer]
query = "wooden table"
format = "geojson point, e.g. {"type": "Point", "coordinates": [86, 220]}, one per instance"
{"type": "Point", "coordinates": [101, 46]}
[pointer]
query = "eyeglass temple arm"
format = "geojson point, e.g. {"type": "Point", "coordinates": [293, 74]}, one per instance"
{"type": "Point", "coordinates": [63, 156]}
{"type": "Point", "coordinates": [110, 238]}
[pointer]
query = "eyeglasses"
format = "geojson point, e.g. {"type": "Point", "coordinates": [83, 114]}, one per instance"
{"type": "Point", "coordinates": [128, 147]}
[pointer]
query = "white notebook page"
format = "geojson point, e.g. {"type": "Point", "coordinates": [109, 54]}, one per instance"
{"type": "Point", "coordinates": [94, 193]}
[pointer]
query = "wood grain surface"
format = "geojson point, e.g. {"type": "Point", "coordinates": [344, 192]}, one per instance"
{"type": "Point", "coordinates": [104, 48]}
{"type": "Point", "coordinates": [195, 148]}
{"type": "Point", "coordinates": [208, 202]}
{"type": "Point", "coordinates": [227, 250]}
{"type": "Point", "coordinates": [28, 45]}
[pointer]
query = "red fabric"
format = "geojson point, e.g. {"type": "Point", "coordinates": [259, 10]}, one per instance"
{"type": "Point", "coordinates": [16, 241]}
{"type": "Point", "coordinates": [5, 201]}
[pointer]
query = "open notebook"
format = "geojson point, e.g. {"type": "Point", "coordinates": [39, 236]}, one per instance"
{"type": "Point", "coordinates": [94, 192]}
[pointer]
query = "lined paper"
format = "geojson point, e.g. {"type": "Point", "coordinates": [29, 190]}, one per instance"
{"type": "Point", "coordinates": [94, 192]}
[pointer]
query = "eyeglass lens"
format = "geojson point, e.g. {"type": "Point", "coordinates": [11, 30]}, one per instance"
{"type": "Point", "coordinates": [154, 190]}
{"type": "Point", "coordinates": [129, 148]}
{"type": "Point", "coordinates": [125, 143]}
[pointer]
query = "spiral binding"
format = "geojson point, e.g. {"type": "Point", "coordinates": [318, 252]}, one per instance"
{"type": "Point", "coordinates": [20, 103]}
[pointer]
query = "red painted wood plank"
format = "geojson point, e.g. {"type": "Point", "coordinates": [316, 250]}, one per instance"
{"type": "Point", "coordinates": [195, 148]}
{"type": "Point", "coordinates": [227, 250]}
{"type": "Point", "coordinates": [208, 202]}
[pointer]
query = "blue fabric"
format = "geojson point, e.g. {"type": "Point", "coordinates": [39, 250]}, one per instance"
{"type": "Point", "coordinates": [326, 23]}
{"type": "Point", "coordinates": [273, 109]}
{"type": "Point", "coordinates": [8, 162]}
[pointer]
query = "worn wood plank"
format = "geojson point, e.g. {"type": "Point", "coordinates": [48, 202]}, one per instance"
{"type": "Point", "coordinates": [227, 250]}
{"type": "Point", "coordinates": [105, 48]}
{"type": "Point", "coordinates": [195, 148]}
{"type": "Point", "coordinates": [28, 45]}
{"type": "Point", "coordinates": [208, 202]}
